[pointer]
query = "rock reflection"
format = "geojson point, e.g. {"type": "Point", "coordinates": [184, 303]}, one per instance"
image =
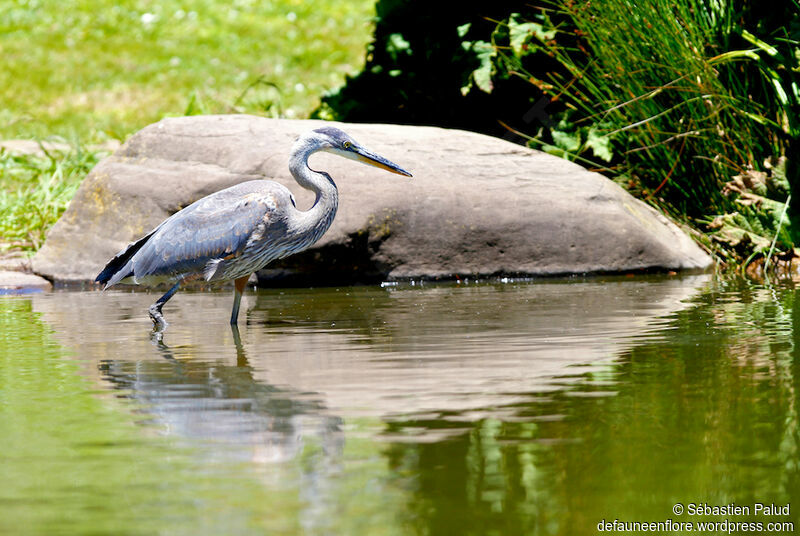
{"type": "Point", "coordinates": [308, 358]}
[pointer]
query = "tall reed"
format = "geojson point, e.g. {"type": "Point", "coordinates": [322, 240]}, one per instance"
{"type": "Point", "coordinates": [684, 96]}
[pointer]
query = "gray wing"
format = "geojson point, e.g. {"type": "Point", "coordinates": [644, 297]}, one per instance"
{"type": "Point", "coordinates": [213, 228]}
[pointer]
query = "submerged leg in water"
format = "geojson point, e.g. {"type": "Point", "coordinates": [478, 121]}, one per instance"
{"type": "Point", "coordinates": [238, 289]}
{"type": "Point", "coordinates": [155, 309]}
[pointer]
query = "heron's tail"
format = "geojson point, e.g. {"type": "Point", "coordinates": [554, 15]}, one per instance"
{"type": "Point", "coordinates": [118, 268]}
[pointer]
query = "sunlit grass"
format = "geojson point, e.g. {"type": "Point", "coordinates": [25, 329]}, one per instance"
{"type": "Point", "coordinates": [90, 70]}
{"type": "Point", "coordinates": [93, 69]}
{"type": "Point", "coordinates": [35, 190]}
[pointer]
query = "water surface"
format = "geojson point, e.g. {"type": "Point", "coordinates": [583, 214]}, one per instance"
{"type": "Point", "coordinates": [503, 408]}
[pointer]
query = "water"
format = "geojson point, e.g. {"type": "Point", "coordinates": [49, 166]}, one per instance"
{"type": "Point", "coordinates": [508, 408]}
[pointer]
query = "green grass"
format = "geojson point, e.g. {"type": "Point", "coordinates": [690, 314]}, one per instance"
{"type": "Point", "coordinates": [93, 69]}
{"type": "Point", "coordinates": [36, 189]}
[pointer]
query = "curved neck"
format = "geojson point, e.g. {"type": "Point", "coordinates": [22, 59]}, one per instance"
{"type": "Point", "coordinates": [311, 224]}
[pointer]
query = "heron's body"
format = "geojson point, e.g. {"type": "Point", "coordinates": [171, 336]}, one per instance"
{"type": "Point", "coordinates": [232, 233]}
{"type": "Point", "coordinates": [224, 236]}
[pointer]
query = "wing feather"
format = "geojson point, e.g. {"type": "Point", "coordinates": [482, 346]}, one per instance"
{"type": "Point", "coordinates": [215, 228]}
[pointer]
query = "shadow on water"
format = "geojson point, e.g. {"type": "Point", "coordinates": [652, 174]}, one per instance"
{"type": "Point", "coordinates": [491, 409]}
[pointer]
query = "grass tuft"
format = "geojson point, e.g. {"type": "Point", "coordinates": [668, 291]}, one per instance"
{"type": "Point", "coordinates": [35, 189]}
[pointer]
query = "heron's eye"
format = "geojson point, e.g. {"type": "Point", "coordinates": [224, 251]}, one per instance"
{"type": "Point", "coordinates": [346, 145]}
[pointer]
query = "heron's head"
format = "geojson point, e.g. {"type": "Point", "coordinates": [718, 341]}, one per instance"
{"type": "Point", "coordinates": [333, 140]}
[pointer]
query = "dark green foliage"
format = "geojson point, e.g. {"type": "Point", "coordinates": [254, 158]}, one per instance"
{"type": "Point", "coordinates": [688, 96]}
{"type": "Point", "coordinates": [672, 100]}
{"type": "Point", "coordinates": [683, 90]}
{"type": "Point", "coordinates": [417, 65]}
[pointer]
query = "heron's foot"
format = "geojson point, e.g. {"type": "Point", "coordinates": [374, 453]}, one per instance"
{"type": "Point", "coordinates": [159, 324]}
{"type": "Point", "coordinates": [157, 338]}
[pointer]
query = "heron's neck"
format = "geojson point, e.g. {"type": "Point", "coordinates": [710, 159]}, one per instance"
{"type": "Point", "coordinates": [312, 223]}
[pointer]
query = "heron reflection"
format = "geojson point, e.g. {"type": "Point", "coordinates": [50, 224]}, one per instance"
{"type": "Point", "coordinates": [218, 402]}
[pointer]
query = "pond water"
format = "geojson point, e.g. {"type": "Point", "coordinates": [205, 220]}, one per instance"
{"type": "Point", "coordinates": [494, 408]}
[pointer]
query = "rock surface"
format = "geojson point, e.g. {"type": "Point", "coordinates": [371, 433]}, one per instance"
{"type": "Point", "coordinates": [477, 206]}
{"type": "Point", "coordinates": [12, 282]}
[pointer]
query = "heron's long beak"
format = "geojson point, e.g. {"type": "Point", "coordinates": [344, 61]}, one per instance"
{"type": "Point", "coordinates": [362, 155]}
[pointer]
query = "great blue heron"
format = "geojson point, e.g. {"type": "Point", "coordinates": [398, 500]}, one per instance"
{"type": "Point", "coordinates": [232, 233]}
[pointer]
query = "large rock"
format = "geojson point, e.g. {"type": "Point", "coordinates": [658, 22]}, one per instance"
{"type": "Point", "coordinates": [477, 206]}
{"type": "Point", "coordinates": [13, 282]}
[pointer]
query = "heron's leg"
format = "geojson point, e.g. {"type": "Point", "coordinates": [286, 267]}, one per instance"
{"type": "Point", "coordinates": [155, 309]}
{"type": "Point", "coordinates": [238, 285]}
